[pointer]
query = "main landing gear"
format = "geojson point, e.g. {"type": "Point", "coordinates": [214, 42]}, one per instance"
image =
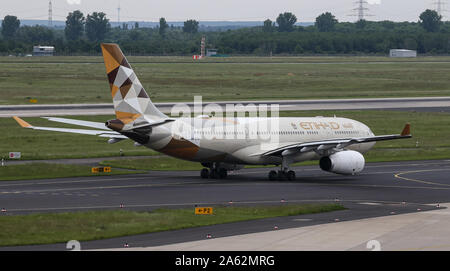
{"type": "Point", "coordinates": [282, 175]}
{"type": "Point", "coordinates": [214, 172]}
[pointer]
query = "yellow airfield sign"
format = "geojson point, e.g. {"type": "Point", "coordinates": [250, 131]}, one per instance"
{"type": "Point", "coordinates": [100, 169]}
{"type": "Point", "coordinates": [203, 210]}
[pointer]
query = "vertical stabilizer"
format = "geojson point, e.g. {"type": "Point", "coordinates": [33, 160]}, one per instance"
{"type": "Point", "coordinates": [131, 101]}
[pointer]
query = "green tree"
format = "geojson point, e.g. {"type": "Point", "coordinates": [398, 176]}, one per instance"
{"type": "Point", "coordinates": [163, 26]}
{"type": "Point", "coordinates": [286, 22]}
{"type": "Point", "coordinates": [35, 34]}
{"type": "Point", "coordinates": [10, 25]}
{"type": "Point", "coordinates": [388, 24]}
{"type": "Point", "coordinates": [269, 26]}
{"type": "Point", "coordinates": [326, 22]}
{"type": "Point", "coordinates": [74, 25]}
{"type": "Point", "coordinates": [361, 24]}
{"type": "Point", "coordinates": [190, 26]}
{"type": "Point", "coordinates": [97, 25]}
{"type": "Point", "coordinates": [298, 49]}
{"type": "Point", "coordinates": [430, 20]}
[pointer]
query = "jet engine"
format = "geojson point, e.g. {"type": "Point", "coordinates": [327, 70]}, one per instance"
{"type": "Point", "coordinates": [343, 162]}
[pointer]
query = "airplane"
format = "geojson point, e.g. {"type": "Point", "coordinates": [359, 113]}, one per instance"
{"type": "Point", "coordinates": [338, 143]}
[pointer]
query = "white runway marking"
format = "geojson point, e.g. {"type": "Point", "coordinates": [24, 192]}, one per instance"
{"type": "Point", "coordinates": [369, 203]}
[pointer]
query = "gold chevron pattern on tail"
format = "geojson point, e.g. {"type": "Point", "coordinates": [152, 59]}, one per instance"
{"type": "Point", "coordinates": [130, 99]}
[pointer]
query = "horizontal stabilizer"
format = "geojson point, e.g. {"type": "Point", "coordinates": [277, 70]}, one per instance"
{"type": "Point", "coordinates": [101, 133]}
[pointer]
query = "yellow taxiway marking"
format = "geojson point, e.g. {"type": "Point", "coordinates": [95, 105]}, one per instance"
{"type": "Point", "coordinates": [421, 181]}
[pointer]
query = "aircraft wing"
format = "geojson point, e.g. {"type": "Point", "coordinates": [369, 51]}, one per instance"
{"type": "Point", "coordinates": [333, 143]}
{"type": "Point", "coordinates": [101, 133]}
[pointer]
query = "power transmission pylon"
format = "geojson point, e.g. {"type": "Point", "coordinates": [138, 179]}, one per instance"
{"type": "Point", "coordinates": [361, 10]}
{"type": "Point", "coordinates": [440, 7]}
{"type": "Point", "coordinates": [50, 14]}
{"type": "Point", "coordinates": [118, 15]}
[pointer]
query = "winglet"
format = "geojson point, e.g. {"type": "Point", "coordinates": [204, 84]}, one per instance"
{"type": "Point", "coordinates": [22, 123]}
{"type": "Point", "coordinates": [407, 130]}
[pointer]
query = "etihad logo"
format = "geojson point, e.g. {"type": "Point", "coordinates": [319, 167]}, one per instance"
{"type": "Point", "coordinates": [312, 125]}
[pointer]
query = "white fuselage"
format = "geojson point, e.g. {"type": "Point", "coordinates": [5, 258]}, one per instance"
{"type": "Point", "coordinates": [243, 140]}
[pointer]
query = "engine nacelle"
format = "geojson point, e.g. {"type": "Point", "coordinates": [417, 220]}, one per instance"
{"type": "Point", "coordinates": [343, 162]}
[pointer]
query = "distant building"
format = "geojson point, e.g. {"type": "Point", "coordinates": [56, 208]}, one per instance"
{"type": "Point", "coordinates": [43, 50]}
{"type": "Point", "coordinates": [402, 53]}
{"type": "Point", "coordinates": [211, 52]}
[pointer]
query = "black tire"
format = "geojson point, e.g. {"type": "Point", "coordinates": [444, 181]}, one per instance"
{"type": "Point", "coordinates": [281, 175]}
{"type": "Point", "coordinates": [273, 175]}
{"type": "Point", "coordinates": [222, 173]}
{"type": "Point", "coordinates": [213, 174]}
{"type": "Point", "coordinates": [291, 175]}
{"type": "Point", "coordinates": [204, 173]}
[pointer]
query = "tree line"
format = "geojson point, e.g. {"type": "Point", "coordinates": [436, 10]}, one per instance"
{"type": "Point", "coordinates": [82, 35]}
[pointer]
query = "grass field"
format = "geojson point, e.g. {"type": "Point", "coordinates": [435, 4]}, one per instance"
{"type": "Point", "coordinates": [82, 226]}
{"type": "Point", "coordinates": [230, 59]}
{"type": "Point", "coordinates": [46, 171]}
{"type": "Point", "coordinates": [83, 79]}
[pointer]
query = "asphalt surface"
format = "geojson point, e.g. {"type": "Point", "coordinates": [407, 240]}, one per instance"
{"type": "Point", "coordinates": [382, 189]}
{"type": "Point", "coordinates": [423, 104]}
{"type": "Point", "coordinates": [76, 161]}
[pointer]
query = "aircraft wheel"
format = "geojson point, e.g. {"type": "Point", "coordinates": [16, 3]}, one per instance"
{"type": "Point", "coordinates": [273, 175]}
{"type": "Point", "coordinates": [281, 175]}
{"type": "Point", "coordinates": [291, 175]}
{"type": "Point", "coordinates": [213, 174]}
{"type": "Point", "coordinates": [222, 173]}
{"type": "Point", "coordinates": [204, 173]}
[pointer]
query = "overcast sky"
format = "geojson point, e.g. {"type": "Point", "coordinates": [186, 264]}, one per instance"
{"type": "Point", "coordinates": [218, 10]}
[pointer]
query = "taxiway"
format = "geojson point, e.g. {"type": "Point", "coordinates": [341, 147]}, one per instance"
{"type": "Point", "coordinates": [383, 189]}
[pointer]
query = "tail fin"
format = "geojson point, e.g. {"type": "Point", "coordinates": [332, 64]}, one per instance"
{"type": "Point", "coordinates": [131, 101]}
